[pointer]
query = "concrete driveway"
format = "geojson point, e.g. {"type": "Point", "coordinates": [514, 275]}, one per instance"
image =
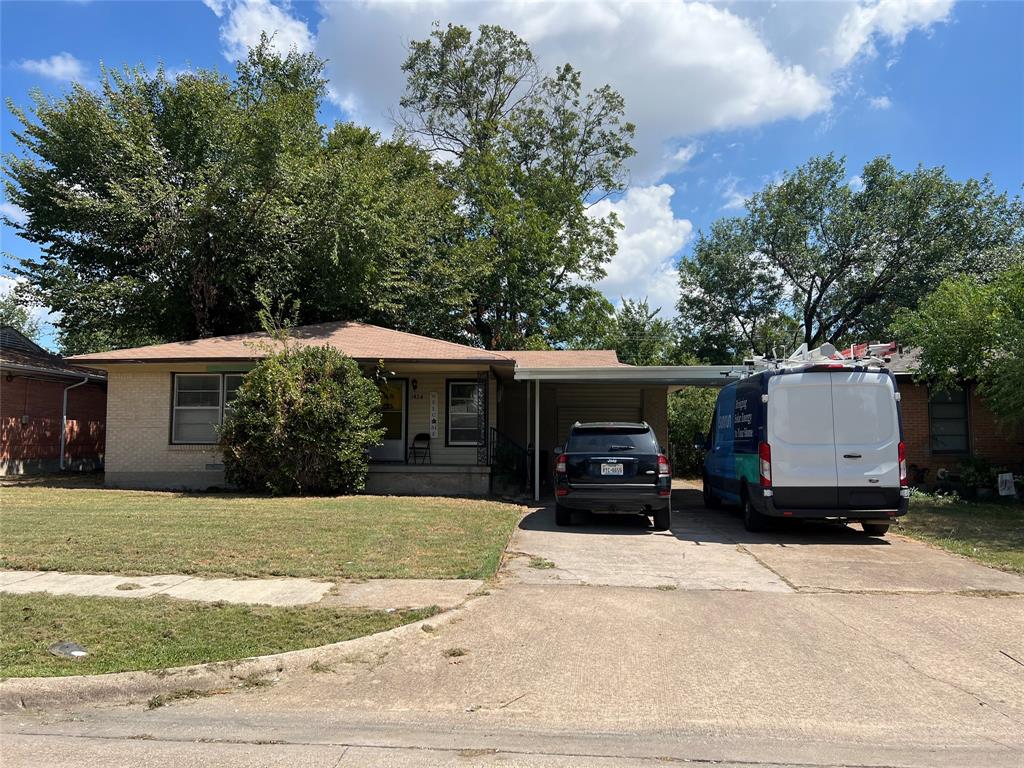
{"type": "Point", "coordinates": [710, 550]}
{"type": "Point", "coordinates": [811, 647]}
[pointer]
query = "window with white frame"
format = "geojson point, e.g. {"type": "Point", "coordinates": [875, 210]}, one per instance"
{"type": "Point", "coordinates": [200, 400]}
{"type": "Point", "coordinates": [463, 409]}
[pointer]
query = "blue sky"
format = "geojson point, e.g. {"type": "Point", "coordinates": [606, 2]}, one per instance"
{"type": "Point", "coordinates": [725, 97]}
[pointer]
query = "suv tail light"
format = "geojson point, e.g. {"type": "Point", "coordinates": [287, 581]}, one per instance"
{"type": "Point", "coordinates": [664, 476]}
{"type": "Point", "coordinates": [764, 455]}
{"type": "Point", "coordinates": [903, 464]}
{"type": "Point", "coordinates": [560, 465]}
{"type": "Point", "coordinates": [664, 468]}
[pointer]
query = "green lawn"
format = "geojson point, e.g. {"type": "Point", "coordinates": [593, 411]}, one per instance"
{"type": "Point", "coordinates": [91, 530]}
{"type": "Point", "coordinates": [156, 633]}
{"type": "Point", "coordinates": [990, 533]}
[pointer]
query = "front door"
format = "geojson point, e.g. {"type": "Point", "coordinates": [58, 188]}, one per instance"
{"type": "Point", "coordinates": [392, 418]}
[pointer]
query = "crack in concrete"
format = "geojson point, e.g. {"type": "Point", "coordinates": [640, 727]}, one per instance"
{"type": "Point", "coordinates": [763, 564]}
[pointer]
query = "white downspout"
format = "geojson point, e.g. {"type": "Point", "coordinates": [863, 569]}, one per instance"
{"type": "Point", "coordinates": [64, 420]}
{"type": "Point", "coordinates": [536, 441]}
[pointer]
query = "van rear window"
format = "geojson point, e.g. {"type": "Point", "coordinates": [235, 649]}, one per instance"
{"type": "Point", "coordinates": [612, 440]}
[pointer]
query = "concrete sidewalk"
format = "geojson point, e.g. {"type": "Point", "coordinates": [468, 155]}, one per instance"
{"type": "Point", "coordinates": [379, 594]}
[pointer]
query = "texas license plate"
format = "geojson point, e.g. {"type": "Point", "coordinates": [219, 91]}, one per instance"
{"type": "Point", "coordinates": [611, 469]}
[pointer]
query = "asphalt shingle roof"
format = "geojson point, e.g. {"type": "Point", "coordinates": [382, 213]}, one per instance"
{"type": "Point", "coordinates": [357, 340]}
{"type": "Point", "coordinates": [20, 353]}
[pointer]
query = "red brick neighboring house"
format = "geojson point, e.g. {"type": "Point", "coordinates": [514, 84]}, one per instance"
{"type": "Point", "coordinates": [33, 383]}
{"type": "Point", "coordinates": [942, 429]}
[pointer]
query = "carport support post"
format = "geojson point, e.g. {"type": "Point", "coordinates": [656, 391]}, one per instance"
{"type": "Point", "coordinates": [536, 440]}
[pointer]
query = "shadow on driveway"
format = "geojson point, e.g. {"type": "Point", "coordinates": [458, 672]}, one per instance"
{"type": "Point", "coordinates": [693, 522]}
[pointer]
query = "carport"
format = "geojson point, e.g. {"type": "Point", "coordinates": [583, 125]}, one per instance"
{"type": "Point", "coordinates": [557, 397]}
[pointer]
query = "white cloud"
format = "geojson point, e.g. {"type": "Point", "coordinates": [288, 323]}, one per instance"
{"type": "Point", "coordinates": [683, 69]}
{"type": "Point", "coordinates": [733, 198]}
{"type": "Point", "coordinates": [890, 19]}
{"type": "Point", "coordinates": [245, 20]}
{"type": "Point", "coordinates": [880, 102]}
{"type": "Point", "coordinates": [645, 264]}
{"type": "Point", "coordinates": [856, 183]}
{"type": "Point", "coordinates": [680, 158]}
{"type": "Point", "coordinates": [61, 66]}
{"type": "Point", "coordinates": [13, 212]}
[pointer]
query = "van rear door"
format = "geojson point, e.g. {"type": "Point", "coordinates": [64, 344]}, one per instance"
{"type": "Point", "coordinates": [867, 435]}
{"type": "Point", "coordinates": [802, 439]}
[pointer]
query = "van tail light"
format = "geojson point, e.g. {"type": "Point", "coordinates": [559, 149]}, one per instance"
{"type": "Point", "coordinates": [903, 464]}
{"type": "Point", "coordinates": [664, 468]}
{"type": "Point", "coordinates": [560, 465]}
{"type": "Point", "coordinates": [764, 455]}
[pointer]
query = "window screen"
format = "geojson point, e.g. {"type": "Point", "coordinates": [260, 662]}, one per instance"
{"type": "Point", "coordinates": [197, 401]}
{"type": "Point", "coordinates": [200, 401]}
{"type": "Point", "coordinates": [463, 407]}
{"type": "Point", "coordinates": [947, 417]}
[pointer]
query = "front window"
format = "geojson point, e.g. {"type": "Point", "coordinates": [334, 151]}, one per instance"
{"type": "Point", "coordinates": [200, 400]}
{"type": "Point", "coordinates": [947, 421]}
{"type": "Point", "coordinates": [463, 409]}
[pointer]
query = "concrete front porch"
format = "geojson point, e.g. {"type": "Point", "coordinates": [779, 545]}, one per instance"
{"type": "Point", "coordinates": [399, 479]}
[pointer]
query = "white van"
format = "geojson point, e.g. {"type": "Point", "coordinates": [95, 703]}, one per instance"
{"type": "Point", "coordinates": [814, 441]}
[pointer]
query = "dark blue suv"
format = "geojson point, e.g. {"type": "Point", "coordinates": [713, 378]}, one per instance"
{"type": "Point", "coordinates": [613, 467]}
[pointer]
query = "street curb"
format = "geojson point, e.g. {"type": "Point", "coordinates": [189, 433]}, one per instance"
{"type": "Point", "coordinates": [18, 694]}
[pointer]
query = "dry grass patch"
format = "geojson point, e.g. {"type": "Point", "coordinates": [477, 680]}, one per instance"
{"type": "Point", "coordinates": [90, 530]}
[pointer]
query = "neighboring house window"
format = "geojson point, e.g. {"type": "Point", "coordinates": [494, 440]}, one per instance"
{"type": "Point", "coordinates": [200, 400]}
{"type": "Point", "coordinates": [947, 420]}
{"type": "Point", "coordinates": [463, 407]}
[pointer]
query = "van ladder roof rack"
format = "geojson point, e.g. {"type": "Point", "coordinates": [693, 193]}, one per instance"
{"type": "Point", "coordinates": [826, 354]}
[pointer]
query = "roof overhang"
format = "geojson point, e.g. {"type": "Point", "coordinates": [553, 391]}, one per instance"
{"type": "Point", "coordinates": [50, 373]}
{"type": "Point", "coordinates": [646, 375]}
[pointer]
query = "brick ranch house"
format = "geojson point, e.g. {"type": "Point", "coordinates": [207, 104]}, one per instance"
{"type": "Point", "coordinates": [473, 407]}
{"type": "Point", "coordinates": [35, 385]}
{"type": "Point", "coordinates": [942, 429]}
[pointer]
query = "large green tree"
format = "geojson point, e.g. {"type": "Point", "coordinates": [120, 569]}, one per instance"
{"type": "Point", "coordinates": [526, 154]}
{"type": "Point", "coordinates": [970, 331]}
{"type": "Point", "coordinates": [170, 208]}
{"type": "Point", "coordinates": [816, 259]}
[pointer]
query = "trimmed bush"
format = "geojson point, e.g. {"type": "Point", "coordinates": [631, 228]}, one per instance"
{"type": "Point", "coordinates": [303, 421]}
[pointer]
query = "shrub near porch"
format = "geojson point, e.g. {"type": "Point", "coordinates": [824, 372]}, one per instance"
{"type": "Point", "coordinates": [146, 532]}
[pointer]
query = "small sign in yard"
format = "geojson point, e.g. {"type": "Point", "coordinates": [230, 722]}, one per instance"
{"type": "Point", "coordinates": [1005, 484]}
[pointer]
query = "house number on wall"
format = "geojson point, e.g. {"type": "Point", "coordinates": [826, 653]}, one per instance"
{"type": "Point", "coordinates": [433, 415]}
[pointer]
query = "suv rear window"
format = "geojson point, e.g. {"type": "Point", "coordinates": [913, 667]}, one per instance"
{"type": "Point", "coordinates": [612, 440]}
